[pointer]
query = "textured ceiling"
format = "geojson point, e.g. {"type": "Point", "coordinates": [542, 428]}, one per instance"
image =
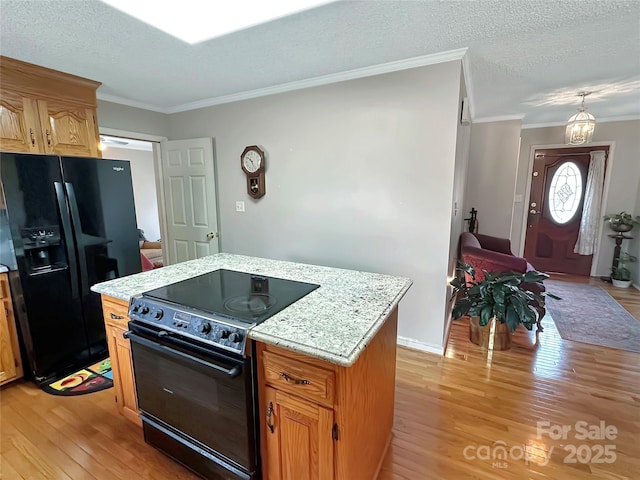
{"type": "Point", "coordinates": [527, 58]}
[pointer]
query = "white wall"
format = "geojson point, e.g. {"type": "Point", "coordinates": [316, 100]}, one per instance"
{"type": "Point", "coordinates": [463, 138]}
{"type": "Point", "coordinates": [359, 175]}
{"type": "Point", "coordinates": [131, 119]}
{"type": "Point", "coordinates": [624, 176]}
{"type": "Point", "coordinates": [144, 187]}
{"type": "Point", "coordinates": [493, 164]}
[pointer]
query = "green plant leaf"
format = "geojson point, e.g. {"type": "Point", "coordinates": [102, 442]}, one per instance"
{"type": "Point", "coordinates": [485, 315]}
{"type": "Point", "coordinates": [461, 308]}
{"type": "Point", "coordinates": [512, 319]}
{"type": "Point", "coordinates": [519, 305]}
{"type": "Point", "coordinates": [534, 276]}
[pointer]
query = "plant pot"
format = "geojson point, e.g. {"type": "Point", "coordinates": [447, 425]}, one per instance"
{"type": "Point", "coordinates": [620, 227]}
{"type": "Point", "coordinates": [621, 283]}
{"type": "Point", "coordinates": [493, 336]}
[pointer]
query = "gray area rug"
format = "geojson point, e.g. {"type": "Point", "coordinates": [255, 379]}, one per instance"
{"type": "Point", "coordinates": [589, 314]}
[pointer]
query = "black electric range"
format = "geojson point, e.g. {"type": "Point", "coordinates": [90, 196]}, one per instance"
{"type": "Point", "coordinates": [219, 307]}
{"type": "Point", "coordinates": [195, 381]}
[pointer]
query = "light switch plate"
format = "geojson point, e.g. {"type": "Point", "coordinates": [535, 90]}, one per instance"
{"type": "Point", "coordinates": [239, 206]}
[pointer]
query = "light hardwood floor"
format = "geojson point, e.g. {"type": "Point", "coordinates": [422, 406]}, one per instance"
{"type": "Point", "coordinates": [468, 398]}
{"type": "Point", "coordinates": [474, 398]}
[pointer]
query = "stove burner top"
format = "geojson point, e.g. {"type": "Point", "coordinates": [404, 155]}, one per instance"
{"type": "Point", "coordinates": [241, 296]}
{"type": "Point", "coordinates": [254, 304]}
{"type": "Point", "coordinates": [218, 307]}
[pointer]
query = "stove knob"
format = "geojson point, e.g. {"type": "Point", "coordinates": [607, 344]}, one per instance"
{"type": "Point", "coordinates": [158, 314]}
{"type": "Point", "coordinates": [205, 328]}
{"type": "Point", "coordinates": [144, 310]}
{"type": "Point", "coordinates": [225, 334]}
{"type": "Point", "coordinates": [235, 337]}
{"type": "Point", "coordinates": [136, 308]}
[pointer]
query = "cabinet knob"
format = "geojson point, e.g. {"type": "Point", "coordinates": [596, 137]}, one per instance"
{"type": "Point", "coordinates": [33, 138]}
{"type": "Point", "coordinates": [48, 137]}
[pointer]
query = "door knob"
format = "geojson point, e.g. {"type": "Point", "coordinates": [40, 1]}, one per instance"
{"type": "Point", "coordinates": [533, 211]}
{"type": "Point", "coordinates": [211, 235]}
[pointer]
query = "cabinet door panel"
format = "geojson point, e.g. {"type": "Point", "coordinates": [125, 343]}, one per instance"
{"type": "Point", "coordinates": [10, 358]}
{"type": "Point", "coordinates": [7, 363]}
{"type": "Point", "coordinates": [68, 131]}
{"type": "Point", "coordinates": [125, 365]}
{"type": "Point", "coordinates": [123, 379]}
{"type": "Point", "coordinates": [300, 446]}
{"type": "Point", "coordinates": [19, 125]}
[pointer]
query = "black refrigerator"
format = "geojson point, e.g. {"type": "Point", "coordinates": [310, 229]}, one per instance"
{"type": "Point", "coordinates": [71, 224]}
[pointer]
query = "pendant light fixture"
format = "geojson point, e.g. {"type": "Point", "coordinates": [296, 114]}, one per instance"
{"type": "Point", "coordinates": [580, 126]}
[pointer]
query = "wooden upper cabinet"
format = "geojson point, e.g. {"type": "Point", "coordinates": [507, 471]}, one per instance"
{"type": "Point", "coordinates": [68, 131]}
{"type": "Point", "coordinates": [19, 129]}
{"type": "Point", "coordinates": [46, 111]}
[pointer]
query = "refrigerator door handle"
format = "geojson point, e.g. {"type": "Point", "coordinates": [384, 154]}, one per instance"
{"type": "Point", "coordinates": [77, 227]}
{"type": "Point", "coordinates": [68, 238]}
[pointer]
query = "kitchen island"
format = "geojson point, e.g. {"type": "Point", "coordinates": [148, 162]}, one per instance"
{"type": "Point", "coordinates": [325, 364]}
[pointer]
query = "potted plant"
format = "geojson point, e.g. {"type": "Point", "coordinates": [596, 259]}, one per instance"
{"type": "Point", "coordinates": [620, 274]}
{"type": "Point", "coordinates": [497, 304]}
{"type": "Point", "coordinates": [621, 222]}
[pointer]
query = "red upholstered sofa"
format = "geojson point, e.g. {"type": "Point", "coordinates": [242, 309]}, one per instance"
{"type": "Point", "coordinates": [493, 254]}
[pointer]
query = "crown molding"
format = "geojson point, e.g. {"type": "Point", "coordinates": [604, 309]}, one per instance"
{"type": "Point", "coordinates": [622, 118]}
{"type": "Point", "coordinates": [500, 118]}
{"type": "Point", "coordinates": [414, 62]}
{"type": "Point", "coordinates": [130, 103]}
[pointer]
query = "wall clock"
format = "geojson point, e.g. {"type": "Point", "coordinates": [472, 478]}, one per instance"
{"type": "Point", "coordinates": [252, 162]}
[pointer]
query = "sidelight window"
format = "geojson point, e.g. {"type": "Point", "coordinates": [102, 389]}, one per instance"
{"type": "Point", "coordinates": [565, 192]}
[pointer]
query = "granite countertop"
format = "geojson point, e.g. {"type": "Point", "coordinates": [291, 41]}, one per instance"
{"type": "Point", "coordinates": [334, 322]}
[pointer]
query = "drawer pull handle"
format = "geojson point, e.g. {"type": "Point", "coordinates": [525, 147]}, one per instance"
{"type": "Point", "coordinates": [269, 414]}
{"type": "Point", "coordinates": [295, 381]}
{"type": "Point", "coordinates": [116, 317]}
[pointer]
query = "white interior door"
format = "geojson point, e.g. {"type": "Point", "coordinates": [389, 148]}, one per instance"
{"type": "Point", "coordinates": [190, 199]}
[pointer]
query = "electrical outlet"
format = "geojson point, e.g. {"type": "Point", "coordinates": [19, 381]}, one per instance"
{"type": "Point", "coordinates": [239, 206]}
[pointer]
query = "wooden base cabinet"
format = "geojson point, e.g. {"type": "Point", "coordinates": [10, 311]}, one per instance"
{"type": "Point", "coordinates": [320, 421]}
{"type": "Point", "coordinates": [46, 111]}
{"type": "Point", "coordinates": [116, 320]}
{"type": "Point", "coordinates": [10, 360]}
{"type": "Point", "coordinates": [301, 444]}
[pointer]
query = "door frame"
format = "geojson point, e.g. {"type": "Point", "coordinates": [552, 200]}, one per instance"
{"type": "Point", "coordinates": [159, 144]}
{"type": "Point", "coordinates": [605, 193]}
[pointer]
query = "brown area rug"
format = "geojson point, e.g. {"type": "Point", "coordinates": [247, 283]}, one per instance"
{"type": "Point", "coordinates": [588, 314]}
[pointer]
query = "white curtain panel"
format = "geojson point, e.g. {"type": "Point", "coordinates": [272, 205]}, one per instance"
{"type": "Point", "coordinates": [590, 220]}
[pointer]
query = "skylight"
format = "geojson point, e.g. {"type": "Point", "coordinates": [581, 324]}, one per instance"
{"type": "Point", "coordinates": [194, 21]}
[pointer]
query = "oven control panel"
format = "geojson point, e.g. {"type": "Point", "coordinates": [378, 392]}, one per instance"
{"type": "Point", "coordinates": [200, 326]}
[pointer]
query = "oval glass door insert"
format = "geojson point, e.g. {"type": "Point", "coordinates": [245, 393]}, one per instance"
{"type": "Point", "coordinates": [565, 192]}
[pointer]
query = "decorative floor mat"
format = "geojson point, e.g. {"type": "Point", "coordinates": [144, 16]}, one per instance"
{"type": "Point", "coordinates": [88, 380]}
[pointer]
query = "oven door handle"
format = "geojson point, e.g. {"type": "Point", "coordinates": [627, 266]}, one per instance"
{"type": "Point", "coordinates": [231, 372]}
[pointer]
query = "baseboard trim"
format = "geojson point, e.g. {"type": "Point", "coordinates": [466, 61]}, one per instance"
{"type": "Point", "coordinates": [637, 287]}
{"type": "Point", "coordinates": [418, 345]}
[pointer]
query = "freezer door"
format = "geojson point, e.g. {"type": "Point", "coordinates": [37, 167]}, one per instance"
{"type": "Point", "coordinates": [100, 195]}
{"type": "Point", "coordinates": [46, 292]}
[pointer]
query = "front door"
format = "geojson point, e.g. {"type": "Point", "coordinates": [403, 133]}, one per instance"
{"type": "Point", "coordinates": [558, 182]}
{"type": "Point", "coordinates": [190, 199]}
